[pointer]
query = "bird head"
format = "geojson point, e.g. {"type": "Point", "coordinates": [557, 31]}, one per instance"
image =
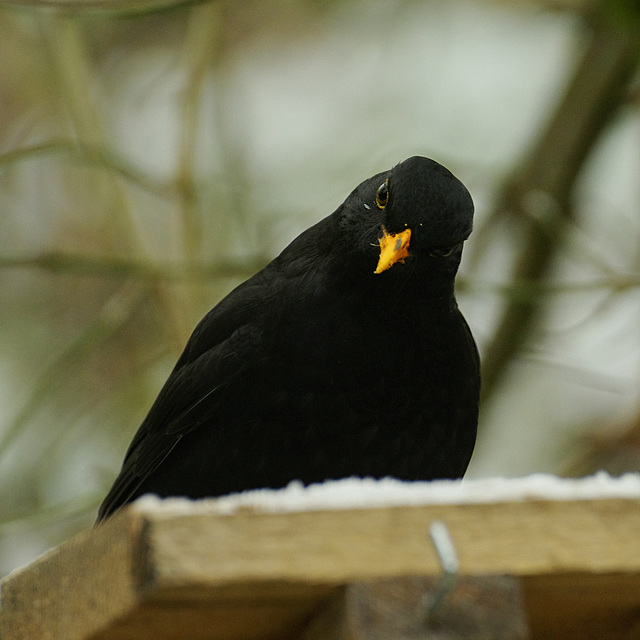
{"type": "Point", "coordinates": [418, 214]}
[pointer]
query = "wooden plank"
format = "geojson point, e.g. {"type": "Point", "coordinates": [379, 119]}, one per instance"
{"type": "Point", "coordinates": [76, 589]}
{"type": "Point", "coordinates": [260, 619]}
{"type": "Point", "coordinates": [337, 547]}
{"type": "Point", "coordinates": [583, 606]}
{"type": "Point", "coordinates": [154, 573]}
{"type": "Point", "coordinates": [479, 608]}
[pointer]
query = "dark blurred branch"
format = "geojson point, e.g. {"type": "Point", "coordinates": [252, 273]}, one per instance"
{"type": "Point", "coordinates": [537, 197]}
{"type": "Point", "coordinates": [120, 7]}
{"type": "Point", "coordinates": [120, 268]}
{"type": "Point", "coordinates": [87, 155]}
{"type": "Point", "coordinates": [129, 6]}
{"type": "Point", "coordinates": [199, 49]}
{"type": "Point", "coordinates": [531, 291]}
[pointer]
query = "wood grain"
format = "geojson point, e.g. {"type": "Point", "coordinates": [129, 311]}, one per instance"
{"type": "Point", "coordinates": [250, 575]}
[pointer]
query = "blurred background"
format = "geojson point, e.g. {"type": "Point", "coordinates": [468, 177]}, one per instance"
{"type": "Point", "coordinates": [153, 154]}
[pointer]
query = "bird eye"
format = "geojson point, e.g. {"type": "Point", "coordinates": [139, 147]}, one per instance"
{"type": "Point", "coordinates": [382, 195]}
{"type": "Point", "coordinates": [444, 252]}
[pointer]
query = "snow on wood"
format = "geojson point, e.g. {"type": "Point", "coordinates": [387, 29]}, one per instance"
{"type": "Point", "coordinates": [367, 493]}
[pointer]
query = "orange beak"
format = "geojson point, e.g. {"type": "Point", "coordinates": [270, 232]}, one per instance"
{"type": "Point", "coordinates": [394, 247]}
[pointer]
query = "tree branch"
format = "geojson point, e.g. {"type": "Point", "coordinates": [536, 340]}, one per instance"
{"type": "Point", "coordinates": [537, 197]}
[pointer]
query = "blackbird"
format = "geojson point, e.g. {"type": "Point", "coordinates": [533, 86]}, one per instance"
{"type": "Point", "coordinates": [345, 356]}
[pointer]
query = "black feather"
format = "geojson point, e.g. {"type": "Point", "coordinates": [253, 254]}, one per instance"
{"type": "Point", "coordinates": [318, 368]}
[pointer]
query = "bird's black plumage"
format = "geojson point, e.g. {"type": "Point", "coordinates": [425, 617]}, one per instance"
{"type": "Point", "coordinates": [319, 368]}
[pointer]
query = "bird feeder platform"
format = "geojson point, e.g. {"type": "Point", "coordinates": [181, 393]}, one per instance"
{"type": "Point", "coordinates": [535, 558]}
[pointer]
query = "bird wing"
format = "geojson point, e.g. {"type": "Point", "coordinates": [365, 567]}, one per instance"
{"type": "Point", "coordinates": [216, 353]}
